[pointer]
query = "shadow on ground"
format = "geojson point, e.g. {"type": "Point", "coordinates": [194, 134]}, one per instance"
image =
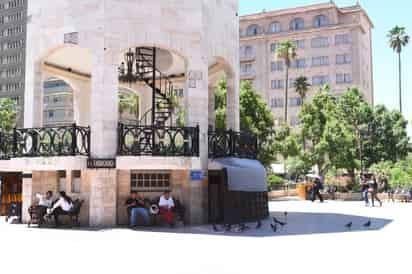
{"type": "Point", "coordinates": [298, 223]}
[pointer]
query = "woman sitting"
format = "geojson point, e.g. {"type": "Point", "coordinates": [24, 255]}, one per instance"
{"type": "Point", "coordinates": [61, 207]}
{"type": "Point", "coordinates": [166, 205]}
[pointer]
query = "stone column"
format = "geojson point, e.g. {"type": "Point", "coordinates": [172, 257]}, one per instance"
{"type": "Point", "coordinates": [27, 196]}
{"type": "Point", "coordinates": [33, 96]}
{"type": "Point", "coordinates": [232, 114]}
{"type": "Point", "coordinates": [212, 117]}
{"type": "Point", "coordinates": [104, 119]}
{"type": "Point", "coordinates": [197, 103]}
{"type": "Point", "coordinates": [103, 198]}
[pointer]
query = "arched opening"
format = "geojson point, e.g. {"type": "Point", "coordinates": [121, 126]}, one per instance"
{"type": "Point", "coordinates": [297, 24]}
{"type": "Point", "coordinates": [253, 30]}
{"type": "Point", "coordinates": [320, 21]}
{"type": "Point", "coordinates": [274, 27]}
{"type": "Point", "coordinates": [57, 103]}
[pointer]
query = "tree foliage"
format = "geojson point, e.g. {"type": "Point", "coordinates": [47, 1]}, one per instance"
{"type": "Point", "coordinates": [8, 115]}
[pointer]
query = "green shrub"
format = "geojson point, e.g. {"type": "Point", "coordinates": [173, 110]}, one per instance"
{"type": "Point", "coordinates": [274, 180]}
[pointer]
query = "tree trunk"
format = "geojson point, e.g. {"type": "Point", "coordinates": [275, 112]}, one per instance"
{"type": "Point", "coordinates": [286, 95]}
{"type": "Point", "coordinates": [400, 82]}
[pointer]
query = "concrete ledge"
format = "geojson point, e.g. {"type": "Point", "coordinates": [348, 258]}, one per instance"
{"type": "Point", "coordinates": [44, 163]}
{"type": "Point", "coordinates": [157, 163]}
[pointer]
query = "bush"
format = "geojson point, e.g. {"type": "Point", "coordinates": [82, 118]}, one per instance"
{"type": "Point", "coordinates": [274, 180]}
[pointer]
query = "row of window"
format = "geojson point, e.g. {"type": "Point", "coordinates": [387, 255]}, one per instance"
{"type": "Point", "coordinates": [11, 73]}
{"type": "Point", "coordinates": [18, 16]}
{"type": "Point", "coordinates": [12, 4]}
{"type": "Point", "coordinates": [12, 31]}
{"type": "Point", "coordinates": [316, 42]}
{"type": "Point", "coordinates": [10, 87]}
{"type": "Point", "coordinates": [341, 59]}
{"type": "Point", "coordinates": [12, 45]}
{"type": "Point", "coordinates": [12, 59]}
{"type": "Point", "coordinates": [280, 102]}
{"type": "Point", "coordinates": [294, 25]}
{"type": "Point", "coordinates": [319, 80]}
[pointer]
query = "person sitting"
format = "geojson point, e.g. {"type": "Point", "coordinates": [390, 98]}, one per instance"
{"type": "Point", "coordinates": [45, 202]}
{"type": "Point", "coordinates": [62, 206]}
{"type": "Point", "coordinates": [166, 206]}
{"type": "Point", "coordinates": [136, 206]}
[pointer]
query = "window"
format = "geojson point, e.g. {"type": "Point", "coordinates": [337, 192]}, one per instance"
{"type": "Point", "coordinates": [62, 180]}
{"type": "Point", "coordinates": [277, 84]}
{"type": "Point", "coordinates": [298, 63]}
{"type": "Point", "coordinates": [320, 80]}
{"type": "Point", "coordinates": [253, 30]}
{"type": "Point", "coordinates": [277, 102]}
{"type": "Point", "coordinates": [297, 24]}
{"type": "Point", "coordinates": [150, 181]}
{"type": "Point", "coordinates": [320, 61]}
{"type": "Point", "coordinates": [274, 47]}
{"type": "Point", "coordinates": [276, 66]}
{"type": "Point", "coordinates": [179, 92]}
{"type": "Point", "coordinates": [343, 39]}
{"type": "Point", "coordinates": [300, 44]}
{"type": "Point", "coordinates": [246, 69]}
{"type": "Point", "coordinates": [76, 181]}
{"type": "Point", "coordinates": [295, 102]}
{"type": "Point", "coordinates": [343, 78]}
{"type": "Point", "coordinates": [320, 21]}
{"type": "Point", "coordinates": [291, 82]}
{"type": "Point", "coordinates": [247, 52]}
{"type": "Point", "coordinates": [343, 59]}
{"type": "Point", "coordinates": [274, 27]}
{"type": "Point", "coordinates": [320, 42]}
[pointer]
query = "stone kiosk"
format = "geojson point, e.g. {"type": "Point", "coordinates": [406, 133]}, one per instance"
{"type": "Point", "coordinates": [105, 48]}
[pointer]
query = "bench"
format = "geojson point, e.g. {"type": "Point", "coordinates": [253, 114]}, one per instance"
{"type": "Point", "coordinates": [73, 214]}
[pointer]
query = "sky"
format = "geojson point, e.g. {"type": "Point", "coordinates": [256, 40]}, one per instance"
{"type": "Point", "coordinates": [384, 15]}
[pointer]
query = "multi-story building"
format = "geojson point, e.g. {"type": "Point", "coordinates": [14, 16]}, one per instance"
{"type": "Point", "coordinates": [12, 50]}
{"type": "Point", "coordinates": [57, 103]}
{"type": "Point", "coordinates": [334, 47]}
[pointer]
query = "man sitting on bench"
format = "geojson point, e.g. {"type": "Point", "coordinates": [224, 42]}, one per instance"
{"type": "Point", "coordinates": [45, 202]}
{"type": "Point", "coordinates": [62, 207]}
{"type": "Point", "coordinates": [166, 205]}
{"type": "Point", "coordinates": [135, 206]}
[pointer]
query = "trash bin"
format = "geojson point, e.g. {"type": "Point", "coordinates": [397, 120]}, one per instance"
{"type": "Point", "coordinates": [301, 189]}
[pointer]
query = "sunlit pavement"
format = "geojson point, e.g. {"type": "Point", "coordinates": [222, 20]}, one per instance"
{"type": "Point", "coordinates": [315, 240]}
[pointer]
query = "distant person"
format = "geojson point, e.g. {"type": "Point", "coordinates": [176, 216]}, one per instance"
{"type": "Point", "coordinates": [62, 206]}
{"type": "Point", "coordinates": [45, 202]}
{"type": "Point", "coordinates": [317, 187]}
{"type": "Point", "coordinates": [365, 190]}
{"type": "Point", "coordinates": [136, 206]}
{"type": "Point", "coordinates": [373, 189]}
{"type": "Point", "coordinates": [387, 189]}
{"type": "Point", "coordinates": [166, 205]}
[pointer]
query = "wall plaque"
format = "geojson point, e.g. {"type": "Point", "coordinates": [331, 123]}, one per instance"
{"type": "Point", "coordinates": [101, 163]}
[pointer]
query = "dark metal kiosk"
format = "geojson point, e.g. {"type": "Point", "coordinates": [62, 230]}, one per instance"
{"type": "Point", "coordinates": [237, 191]}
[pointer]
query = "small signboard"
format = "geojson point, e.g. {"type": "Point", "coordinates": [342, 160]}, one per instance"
{"type": "Point", "coordinates": [197, 175]}
{"type": "Point", "coordinates": [101, 163]}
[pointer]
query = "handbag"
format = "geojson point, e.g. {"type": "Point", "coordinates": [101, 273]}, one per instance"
{"type": "Point", "coordinates": [371, 190]}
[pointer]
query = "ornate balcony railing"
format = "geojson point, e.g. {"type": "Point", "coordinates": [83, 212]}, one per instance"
{"type": "Point", "coordinates": [46, 142]}
{"type": "Point", "coordinates": [232, 144]}
{"type": "Point", "coordinates": [136, 140]}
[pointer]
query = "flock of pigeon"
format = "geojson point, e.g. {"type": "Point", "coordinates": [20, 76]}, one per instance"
{"type": "Point", "coordinates": [274, 225]}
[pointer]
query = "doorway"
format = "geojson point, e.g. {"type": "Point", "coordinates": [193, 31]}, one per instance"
{"type": "Point", "coordinates": [11, 191]}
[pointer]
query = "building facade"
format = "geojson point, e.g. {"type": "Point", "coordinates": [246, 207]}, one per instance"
{"type": "Point", "coordinates": [150, 48]}
{"type": "Point", "coordinates": [334, 47]}
{"type": "Point", "coordinates": [12, 51]}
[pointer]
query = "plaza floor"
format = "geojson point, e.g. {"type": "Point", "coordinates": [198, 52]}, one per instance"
{"type": "Point", "coordinates": [314, 241]}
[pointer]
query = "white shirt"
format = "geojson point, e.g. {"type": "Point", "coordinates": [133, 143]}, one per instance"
{"type": "Point", "coordinates": [43, 201]}
{"type": "Point", "coordinates": [166, 203]}
{"type": "Point", "coordinates": [63, 204]}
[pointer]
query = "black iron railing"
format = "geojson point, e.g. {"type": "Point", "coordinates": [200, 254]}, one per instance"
{"type": "Point", "coordinates": [136, 140]}
{"type": "Point", "coordinates": [232, 144]}
{"type": "Point", "coordinates": [46, 142]}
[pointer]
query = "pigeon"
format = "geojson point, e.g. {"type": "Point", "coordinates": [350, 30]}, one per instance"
{"type": "Point", "coordinates": [349, 225]}
{"type": "Point", "coordinates": [215, 229]}
{"type": "Point", "coordinates": [228, 228]}
{"type": "Point", "coordinates": [286, 215]}
{"type": "Point", "coordinates": [274, 227]}
{"type": "Point", "coordinates": [279, 222]}
{"type": "Point", "coordinates": [259, 224]}
{"type": "Point", "coordinates": [367, 224]}
{"type": "Point", "coordinates": [243, 227]}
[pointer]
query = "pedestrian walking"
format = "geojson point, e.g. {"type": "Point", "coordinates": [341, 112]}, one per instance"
{"type": "Point", "coordinates": [373, 189]}
{"type": "Point", "coordinates": [365, 190]}
{"type": "Point", "coordinates": [318, 186]}
{"type": "Point", "coordinates": [387, 188]}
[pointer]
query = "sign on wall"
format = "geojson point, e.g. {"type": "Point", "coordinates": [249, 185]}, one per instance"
{"type": "Point", "coordinates": [197, 175]}
{"type": "Point", "coordinates": [101, 163]}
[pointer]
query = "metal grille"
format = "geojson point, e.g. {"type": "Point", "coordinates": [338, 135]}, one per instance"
{"type": "Point", "coordinates": [150, 181]}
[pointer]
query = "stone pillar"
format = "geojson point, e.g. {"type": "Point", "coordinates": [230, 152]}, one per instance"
{"type": "Point", "coordinates": [33, 96]}
{"type": "Point", "coordinates": [233, 108]}
{"type": "Point", "coordinates": [27, 196]}
{"type": "Point", "coordinates": [197, 102]}
{"type": "Point", "coordinates": [212, 117]}
{"type": "Point", "coordinates": [103, 198]}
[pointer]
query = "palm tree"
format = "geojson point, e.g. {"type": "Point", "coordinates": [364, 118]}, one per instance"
{"type": "Point", "coordinates": [397, 40]}
{"type": "Point", "coordinates": [287, 52]}
{"type": "Point", "coordinates": [302, 86]}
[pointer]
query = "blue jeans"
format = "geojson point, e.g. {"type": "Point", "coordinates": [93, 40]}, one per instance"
{"type": "Point", "coordinates": [139, 211]}
{"type": "Point", "coordinates": [365, 196]}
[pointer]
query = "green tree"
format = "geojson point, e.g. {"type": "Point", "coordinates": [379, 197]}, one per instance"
{"type": "Point", "coordinates": [287, 51]}
{"type": "Point", "coordinates": [129, 103]}
{"type": "Point", "coordinates": [302, 86]}
{"type": "Point", "coordinates": [220, 104]}
{"type": "Point", "coordinates": [296, 167]}
{"type": "Point", "coordinates": [8, 115]}
{"type": "Point", "coordinates": [398, 39]}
